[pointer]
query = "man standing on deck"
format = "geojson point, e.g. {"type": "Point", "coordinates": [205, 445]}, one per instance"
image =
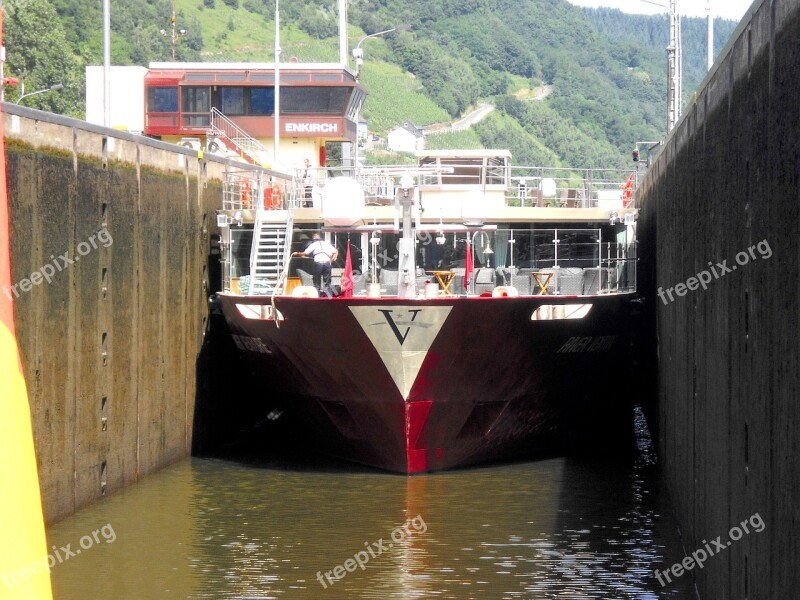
{"type": "Point", "coordinates": [323, 254]}
{"type": "Point", "coordinates": [308, 186]}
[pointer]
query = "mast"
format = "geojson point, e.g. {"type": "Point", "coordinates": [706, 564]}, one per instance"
{"type": "Point", "coordinates": [406, 265]}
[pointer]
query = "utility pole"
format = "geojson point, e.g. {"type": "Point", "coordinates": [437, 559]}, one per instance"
{"type": "Point", "coordinates": [343, 32]}
{"type": "Point", "coordinates": [175, 32]}
{"type": "Point", "coordinates": [277, 117]}
{"type": "Point", "coordinates": [710, 36]}
{"type": "Point", "coordinates": [107, 63]}
{"type": "Point", "coordinates": [358, 54]}
{"type": "Point", "coordinates": [675, 67]}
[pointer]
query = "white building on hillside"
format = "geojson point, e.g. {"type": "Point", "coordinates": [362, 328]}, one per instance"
{"type": "Point", "coordinates": [406, 138]}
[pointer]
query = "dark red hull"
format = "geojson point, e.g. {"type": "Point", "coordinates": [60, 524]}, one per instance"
{"type": "Point", "coordinates": [423, 385]}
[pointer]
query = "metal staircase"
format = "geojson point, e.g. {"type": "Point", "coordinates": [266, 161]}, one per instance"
{"type": "Point", "coordinates": [234, 137]}
{"type": "Point", "coordinates": [270, 250]}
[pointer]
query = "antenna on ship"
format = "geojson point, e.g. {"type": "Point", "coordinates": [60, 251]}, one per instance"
{"type": "Point", "coordinates": [406, 265]}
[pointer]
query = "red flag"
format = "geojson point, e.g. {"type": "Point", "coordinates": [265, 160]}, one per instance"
{"type": "Point", "coordinates": [468, 266]}
{"type": "Point", "coordinates": [347, 276]}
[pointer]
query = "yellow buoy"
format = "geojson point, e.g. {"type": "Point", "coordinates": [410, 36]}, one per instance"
{"type": "Point", "coordinates": [24, 572]}
{"type": "Point", "coordinates": [23, 554]}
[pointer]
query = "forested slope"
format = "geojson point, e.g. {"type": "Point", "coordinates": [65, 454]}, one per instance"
{"type": "Point", "coordinates": [605, 71]}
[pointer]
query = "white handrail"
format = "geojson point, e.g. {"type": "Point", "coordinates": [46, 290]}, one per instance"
{"type": "Point", "coordinates": [223, 126]}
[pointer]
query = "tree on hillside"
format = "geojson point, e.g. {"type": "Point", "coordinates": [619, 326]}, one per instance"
{"type": "Point", "coordinates": [449, 81]}
{"type": "Point", "coordinates": [37, 53]}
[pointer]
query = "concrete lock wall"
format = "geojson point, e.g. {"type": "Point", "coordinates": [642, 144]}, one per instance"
{"type": "Point", "coordinates": [728, 394]}
{"type": "Point", "coordinates": [120, 225]}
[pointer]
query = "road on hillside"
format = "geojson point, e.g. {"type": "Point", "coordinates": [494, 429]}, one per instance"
{"type": "Point", "coordinates": [474, 117]}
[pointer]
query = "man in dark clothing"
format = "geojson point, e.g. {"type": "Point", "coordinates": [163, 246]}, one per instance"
{"type": "Point", "coordinates": [323, 255]}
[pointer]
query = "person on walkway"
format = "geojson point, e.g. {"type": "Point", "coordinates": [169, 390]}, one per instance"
{"type": "Point", "coordinates": [323, 254]}
{"type": "Point", "coordinates": [308, 186]}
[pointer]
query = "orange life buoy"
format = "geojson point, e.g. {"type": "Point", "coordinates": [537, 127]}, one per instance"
{"type": "Point", "coordinates": [272, 196]}
{"type": "Point", "coordinates": [276, 195]}
{"type": "Point", "coordinates": [627, 194]}
{"type": "Point", "coordinates": [267, 197]}
{"type": "Point", "coordinates": [246, 199]}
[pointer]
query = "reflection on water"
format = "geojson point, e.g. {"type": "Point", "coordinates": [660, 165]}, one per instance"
{"type": "Point", "coordinates": [557, 528]}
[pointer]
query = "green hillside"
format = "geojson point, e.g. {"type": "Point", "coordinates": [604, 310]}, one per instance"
{"type": "Point", "coordinates": [604, 72]}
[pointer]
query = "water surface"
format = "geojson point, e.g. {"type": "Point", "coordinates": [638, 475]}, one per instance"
{"type": "Point", "coordinates": [555, 528]}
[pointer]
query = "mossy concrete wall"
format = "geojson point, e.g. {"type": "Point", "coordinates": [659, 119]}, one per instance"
{"type": "Point", "coordinates": [728, 414]}
{"type": "Point", "coordinates": [121, 226]}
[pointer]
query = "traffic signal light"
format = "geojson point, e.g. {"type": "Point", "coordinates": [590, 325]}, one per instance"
{"type": "Point", "coordinates": [635, 155]}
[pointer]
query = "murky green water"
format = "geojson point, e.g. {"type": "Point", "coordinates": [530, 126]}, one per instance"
{"type": "Point", "coordinates": [556, 528]}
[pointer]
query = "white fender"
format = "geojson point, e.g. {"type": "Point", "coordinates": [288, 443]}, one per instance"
{"type": "Point", "coordinates": [306, 291]}
{"type": "Point", "coordinates": [505, 291]}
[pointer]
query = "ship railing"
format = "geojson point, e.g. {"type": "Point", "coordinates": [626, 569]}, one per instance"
{"type": "Point", "coordinates": [255, 190]}
{"type": "Point", "coordinates": [566, 261]}
{"type": "Point", "coordinates": [570, 188]}
{"type": "Point", "coordinates": [519, 186]}
{"type": "Point", "coordinates": [379, 184]}
{"type": "Point", "coordinates": [555, 267]}
{"type": "Point", "coordinates": [249, 196]}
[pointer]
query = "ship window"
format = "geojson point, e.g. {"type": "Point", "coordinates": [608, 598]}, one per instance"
{"type": "Point", "coordinates": [302, 99]}
{"type": "Point", "coordinates": [241, 242]}
{"type": "Point", "coordinates": [232, 100]}
{"type": "Point", "coordinates": [465, 171]}
{"type": "Point", "coordinates": [261, 312]}
{"type": "Point", "coordinates": [495, 171]}
{"type": "Point", "coordinates": [356, 102]}
{"type": "Point", "coordinates": [578, 248]}
{"type": "Point", "coordinates": [327, 77]}
{"type": "Point", "coordinates": [262, 101]}
{"type": "Point", "coordinates": [557, 312]}
{"type": "Point", "coordinates": [196, 99]}
{"type": "Point", "coordinates": [162, 99]}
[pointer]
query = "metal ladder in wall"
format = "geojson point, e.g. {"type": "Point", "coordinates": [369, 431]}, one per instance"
{"type": "Point", "coordinates": [270, 250]}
